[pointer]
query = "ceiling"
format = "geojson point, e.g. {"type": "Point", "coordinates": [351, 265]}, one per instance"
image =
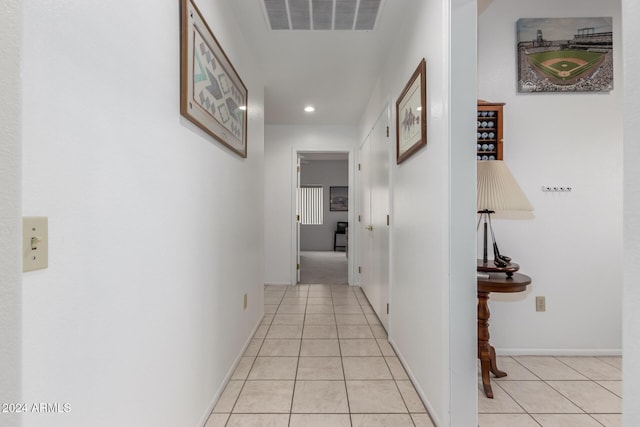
{"type": "Point", "coordinates": [333, 70]}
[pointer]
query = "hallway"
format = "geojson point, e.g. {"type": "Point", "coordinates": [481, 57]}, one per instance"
{"type": "Point", "coordinates": [159, 233]}
{"type": "Point", "coordinates": [320, 358]}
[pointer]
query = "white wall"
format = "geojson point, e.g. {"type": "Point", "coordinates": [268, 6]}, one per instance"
{"type": "Point", "coordinates": [631, 367]}
{"type": "Point", "coordinates": [329, 173]}
{"type": "Point", "coordinates": [572, 249]}
{"type": "Point", "coordinates": [281, 144]}
{"type": "Point", "coordinates": [10, 207]}
{"type": "Point", "coordinates": [156, 230]}
{"type": "Point", "coordinates": [432, 227]}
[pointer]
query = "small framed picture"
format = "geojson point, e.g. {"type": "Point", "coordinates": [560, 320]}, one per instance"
{"type": "Point", "coordinates": [411, 115]}
{"type": "Point", "coordinates": [338, 198]}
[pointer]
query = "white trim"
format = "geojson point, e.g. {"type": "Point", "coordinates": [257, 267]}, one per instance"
{"type": "Point", "coordinates": [557, 352]}
{"type": "Point", "coordinates": [631, 195]}
{"type": "Point", "coordinates": [459, 341]}
{"type": "Point", "coordinates": [227, 378]}
{"type": "Point", "coordinates": [11, 275]}
{"type": "Point", "coordinates": [430, 409]}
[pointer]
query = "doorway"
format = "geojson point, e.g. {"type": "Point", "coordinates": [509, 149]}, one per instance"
{"type": "Point", "coordinates": [322, 204]}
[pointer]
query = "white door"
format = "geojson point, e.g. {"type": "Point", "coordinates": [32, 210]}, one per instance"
{"type": "Point", "coordinates": [297, 221]}
{"type": "Point", "coordinates": [374, 178]}
{"type": "Point", "coordinates": [364, 216]}
{"type": "Point", "coordinates": [380, 151]}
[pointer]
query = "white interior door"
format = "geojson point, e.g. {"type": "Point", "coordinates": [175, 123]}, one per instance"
{"type": "Point", "coordinates": [374, 212]}
{"type": "Point", "coordinates": [297, 221]}
{"type": "Point", "coordinates": [380, 151]}
{"type": "Point", "coordinates": [366, 228]}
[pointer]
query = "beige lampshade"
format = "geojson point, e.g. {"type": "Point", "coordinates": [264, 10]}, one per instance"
{"type": "Point", "coordinates": [498, 191]}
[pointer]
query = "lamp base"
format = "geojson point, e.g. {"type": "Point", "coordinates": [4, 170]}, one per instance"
{"type": "Point", "coordinates": [490, 267]}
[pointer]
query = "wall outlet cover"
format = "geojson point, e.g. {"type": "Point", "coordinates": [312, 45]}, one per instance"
{"type": "Point", "coordinates": [35, 243]}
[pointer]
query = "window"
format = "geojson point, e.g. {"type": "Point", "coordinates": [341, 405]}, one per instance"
{"type": "Point", "coordinates": [310, 198]}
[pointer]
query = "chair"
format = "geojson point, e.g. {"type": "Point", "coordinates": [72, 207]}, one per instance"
{"type": "Point", "coordinates": [341, 228]}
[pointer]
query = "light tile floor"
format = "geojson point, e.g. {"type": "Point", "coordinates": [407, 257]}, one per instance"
{"type": "Point", "coordinates": [320, 358]}
{"type": "Point", "coordinates": [554, 392]}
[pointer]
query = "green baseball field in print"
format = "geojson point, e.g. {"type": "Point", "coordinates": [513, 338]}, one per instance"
{"type": "Point", "coordinates": [565, 54]}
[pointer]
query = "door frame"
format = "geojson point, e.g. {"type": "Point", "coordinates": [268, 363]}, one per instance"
{"type": "Point", "coordinates": [295, 152]}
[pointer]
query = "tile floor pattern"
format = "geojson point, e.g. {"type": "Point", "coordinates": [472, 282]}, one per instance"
{"type": "Point", "coordinates": [554, 392]}
{"type": "Point", "coordinates": [320, 358]}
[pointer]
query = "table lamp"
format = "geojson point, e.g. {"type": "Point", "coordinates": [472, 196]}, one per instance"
{"type": "Point", "coordinates": [500, 195]}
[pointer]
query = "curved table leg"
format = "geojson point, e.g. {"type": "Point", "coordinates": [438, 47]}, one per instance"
{"type": "Point", "coordinates": [484, 349]}
{"type": "Point", "coordinates": [486, 352]}
{"type": "Point", "coordinates": [494, 367]}
{"type": "Point", "coordinates": [486, 381]}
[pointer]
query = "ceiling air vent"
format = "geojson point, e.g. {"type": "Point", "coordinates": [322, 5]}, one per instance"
{"type": "Point", "coordinates": [325, 15]}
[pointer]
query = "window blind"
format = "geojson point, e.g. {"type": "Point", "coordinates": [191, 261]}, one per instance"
{"type": "Point", "coordinates": [310, 209]}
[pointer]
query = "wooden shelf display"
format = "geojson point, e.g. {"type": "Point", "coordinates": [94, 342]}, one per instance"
{"type": "Point", "coordinates": [489, 130]}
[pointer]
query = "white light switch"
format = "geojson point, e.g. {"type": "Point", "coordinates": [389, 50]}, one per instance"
{"type": "Point", "coordinates": [35, 243]}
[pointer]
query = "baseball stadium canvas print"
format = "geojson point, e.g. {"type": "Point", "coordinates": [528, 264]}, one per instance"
{"type": "Point", "coordinates": [565, 54]}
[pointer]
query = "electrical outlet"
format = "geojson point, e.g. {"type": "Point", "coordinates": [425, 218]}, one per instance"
{"type": "Point", "coordinates": [246, 299]}
{"type": "Point", "coordinates": [541, 304]}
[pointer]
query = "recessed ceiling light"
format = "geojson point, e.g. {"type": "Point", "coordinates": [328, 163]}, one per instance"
{"type": "Point", "coordinates": [309, 109]}
{"type": "Point", "coordinates": [243, 107]}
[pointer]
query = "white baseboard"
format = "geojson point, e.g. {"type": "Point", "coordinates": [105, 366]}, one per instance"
{"type": "Point", "coordinates": [431, 411]}
{"type": "Point", "coordinates": [557, 352]}
{"type": "Point", "coordinates": [227, 377]}
{"type": "Point", "coordinates": [278, 284]}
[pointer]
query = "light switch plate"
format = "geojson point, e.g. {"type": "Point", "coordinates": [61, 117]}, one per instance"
{"type": "Point", "coordinates": [35, 243]}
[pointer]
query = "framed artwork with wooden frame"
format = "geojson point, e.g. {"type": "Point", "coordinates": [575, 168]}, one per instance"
{"type": "Point", "coordinates": [411, 115]}
{"type": "Point", "coordinates": [212, 95]}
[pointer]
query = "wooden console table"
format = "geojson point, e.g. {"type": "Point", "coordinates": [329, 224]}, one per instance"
{"type": "Point", "coordinates": [497, 282]}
